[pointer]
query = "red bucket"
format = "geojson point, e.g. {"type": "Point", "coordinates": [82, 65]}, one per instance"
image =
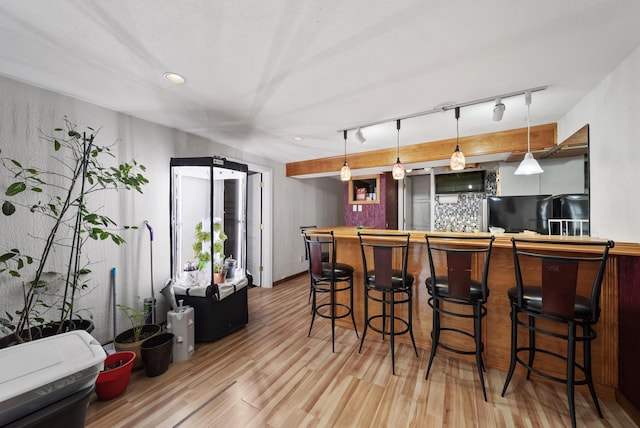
{"type": "Point", "coordinates": [111, 383]}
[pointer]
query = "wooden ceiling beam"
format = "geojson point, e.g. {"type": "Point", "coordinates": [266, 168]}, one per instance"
{"type": "Point", "coordinates": [542, 137]}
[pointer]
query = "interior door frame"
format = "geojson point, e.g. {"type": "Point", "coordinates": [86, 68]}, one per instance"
{"type": "Point", "coordinates": [266, 202]}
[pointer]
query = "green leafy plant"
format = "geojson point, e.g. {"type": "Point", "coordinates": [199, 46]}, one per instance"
{"type": "Point", "coordinates": [202, 255]}
{"type": "Point", "coordinates": [58, 194]}
{"type": "Point", "coordinates": [136, 316]}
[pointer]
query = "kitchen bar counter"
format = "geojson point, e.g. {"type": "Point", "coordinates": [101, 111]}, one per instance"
{"type": "Point", "coordinates": [501, 278]}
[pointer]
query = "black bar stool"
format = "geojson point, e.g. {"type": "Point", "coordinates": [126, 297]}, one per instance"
{"type": "Point", "coordinates": [546, 291]}
{"type": "Point", "coordinates": [386, 281]}
{"type": "Point", "coordinates": [325, 255]}
{"type": "Point", "coordinates": [328, 277]}
{"type": "Point", "coordinates": [459, 267]}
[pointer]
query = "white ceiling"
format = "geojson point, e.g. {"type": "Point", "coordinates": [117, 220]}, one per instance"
{"type": "Point", "coordinates": [260, 72]}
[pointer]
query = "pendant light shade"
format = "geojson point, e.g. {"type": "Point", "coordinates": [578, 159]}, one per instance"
{"type": "Point", "coordinates": [457, 158]}
{"type": "Point", "coordinates": [398, 170]}
{"type": "Point", "coordinates": [529, 164]}
{"type": "Point", "coordinates": [345, 172]}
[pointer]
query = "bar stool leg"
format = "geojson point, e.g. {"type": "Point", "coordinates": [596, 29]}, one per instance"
{"type": "Point", "coordinates": [313, 310]}
{"type": "Point", "coordinates": [353, 319]}
{"type": "Point", "coordinates": [333, 315]}
{"type": "Point", "coordinates": [532, 344]}
{"type": "Point", "coordinates": [588, 332]}
{"type": "Point", "coordinates": [366, 318]}
{"type": "Point", "coordinates": [435, 334]}
{"type": "Point", "coordinates": [410, 308]}
{"type": "Point", "coordinates": [514, 345]}
{"type": "Point", "coordinates": [477, 326]}
{"type": "Point", "coordinates": [393, 333]}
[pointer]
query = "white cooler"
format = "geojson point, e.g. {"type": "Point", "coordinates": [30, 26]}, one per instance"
{"type": "Point", "coordinates": [36, 374]}
{"type": "Point", "coordinates": [181, 323]}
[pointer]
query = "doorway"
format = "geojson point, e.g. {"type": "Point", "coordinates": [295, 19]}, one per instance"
{"type": "Point", "coordinates": [259, 225]}
{"type": "Point", "coordinates": [418, 202]}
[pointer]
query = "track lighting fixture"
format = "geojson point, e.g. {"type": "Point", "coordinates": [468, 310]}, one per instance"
{"type": "Point", "coordinates": [498, 110]}
{"type": "Point", "coordinates": [457, 158]}
{"type": "Point", "coordinates": [529, 164]}
{"type": "Point", "coordinates": [345, 172]}
{"type": "Point", "coordinates": [360, 136]}
{"type": "Point", "coordinates": [398, 170]}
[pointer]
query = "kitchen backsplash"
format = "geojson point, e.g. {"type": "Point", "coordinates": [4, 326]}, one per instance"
{"type": "Point", "coordinates": [463, 211]}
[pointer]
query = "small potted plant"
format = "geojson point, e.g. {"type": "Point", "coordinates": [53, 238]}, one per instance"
{"type": "Point", "coordinates": [219, 273]}
{"type": "Point", "coordinates": [131, 339]}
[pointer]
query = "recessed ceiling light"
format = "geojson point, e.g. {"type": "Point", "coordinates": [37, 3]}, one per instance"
{"type": "Point", "coordinates": [297, 138]}
{"type": "Point", "coordinates": [175, 78]}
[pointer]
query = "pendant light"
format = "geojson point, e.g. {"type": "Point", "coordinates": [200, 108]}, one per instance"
{"type": "Point", "coordinates": [398, 169]}
{"type": "Point", "coordinates": [345, 172]}
{"type": "Point", "coordinates": [529, 164]}
{"type": "Point", "coordinates": [457, 158]}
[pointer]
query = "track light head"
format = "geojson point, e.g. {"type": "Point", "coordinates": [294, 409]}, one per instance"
{"type": "Point", "coordinates": [360, 136]}
{"type": "Point", "coordinates": [498, 110]}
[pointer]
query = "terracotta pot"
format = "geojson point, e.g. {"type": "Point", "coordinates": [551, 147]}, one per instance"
{"type": "Point", "coordinates": [112, 383]}
{"type": "Point", "coordinates": [156, 353]}
{"type": "Point", "coordinates": [219, 277]}
{"type": "Point", "coordinates": [125, 342]}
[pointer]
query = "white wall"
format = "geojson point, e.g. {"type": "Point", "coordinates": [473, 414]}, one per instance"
{"type": "Point", "coordinates": [612, 111]}
{"type": "Point", "coordinates": [25, 110]}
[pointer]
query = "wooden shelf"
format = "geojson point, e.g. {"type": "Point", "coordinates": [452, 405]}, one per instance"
{"type": "Point", "coordinates": [366, 187]}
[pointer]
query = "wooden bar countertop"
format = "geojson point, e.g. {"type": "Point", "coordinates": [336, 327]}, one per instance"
{"type": "Point", "coordinates": [497, 344]}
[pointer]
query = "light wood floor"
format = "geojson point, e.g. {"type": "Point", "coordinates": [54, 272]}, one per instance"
{"type": "Point", "coordinates": [270, 374]}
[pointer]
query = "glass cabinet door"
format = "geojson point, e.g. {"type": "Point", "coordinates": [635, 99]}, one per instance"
{"type": "Point", "coordinates": [208, 220]}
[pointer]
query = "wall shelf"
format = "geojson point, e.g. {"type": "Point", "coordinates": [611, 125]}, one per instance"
{"type": "Point", "coordinates": [364, 190]}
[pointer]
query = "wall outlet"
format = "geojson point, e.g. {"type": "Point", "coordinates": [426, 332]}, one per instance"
{"type": "Point", "coordinates": [301, 258]}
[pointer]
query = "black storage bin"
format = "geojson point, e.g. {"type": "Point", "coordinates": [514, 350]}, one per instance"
{"type": "Point", "coordinates": [69, 412]}
{"type": "Point", "coordinates": [214, 318]}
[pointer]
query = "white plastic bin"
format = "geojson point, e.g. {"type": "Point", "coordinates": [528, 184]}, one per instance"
{"type": "Point", "coordinates": [181, 324]}
{"type": "Point", "coordinates": [36, 374]}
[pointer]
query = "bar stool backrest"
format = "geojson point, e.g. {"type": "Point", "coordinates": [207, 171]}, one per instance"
{"type": "Point", "coordinates": [461, 252]}
{"type": "Point", "coordinates": [303, 230]}
{"type": "Point", "coordinates": [560, 273]}
{"type": "Point", "coordinates": [378, 256]}
{"type": "Point", "coordinates": [320, 247]}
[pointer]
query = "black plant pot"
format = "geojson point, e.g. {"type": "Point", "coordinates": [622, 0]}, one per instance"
{"type": "Point", "coordinates": [125, 341]}
{"type": "Point", "coordinates": [156, 354]}
{"type": "Point", "coordinates": [47, 330]}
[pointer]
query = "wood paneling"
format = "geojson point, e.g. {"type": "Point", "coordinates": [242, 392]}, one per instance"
{"type": "Point", "coordinates": [542, 137]}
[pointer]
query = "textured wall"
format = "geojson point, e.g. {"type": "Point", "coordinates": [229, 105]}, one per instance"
{"type": "Point", "coordinates": [372, 215]}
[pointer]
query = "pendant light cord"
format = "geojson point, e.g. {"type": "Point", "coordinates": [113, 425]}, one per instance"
{"type": "Point", "coordinates": [527, 100]}
{"type": "Point", "coordinates": [398, 140]}
{"type": "Point", "coordinates": [345, 146]}
{"type": "Point", "coordinates": [457, 129]}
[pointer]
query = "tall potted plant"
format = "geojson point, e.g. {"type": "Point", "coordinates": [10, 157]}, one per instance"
{"type": "Point", "coordinates": [57, 193]}
{"type": "Point", "coordinates": [132, 338]}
